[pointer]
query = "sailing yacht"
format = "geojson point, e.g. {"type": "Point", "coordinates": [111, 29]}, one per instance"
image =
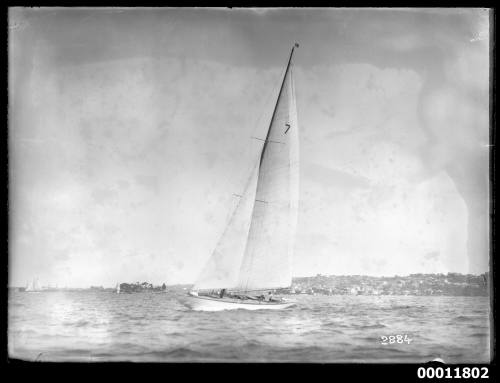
{"type": "Point", "coordinates": [253, 255]}
{"type": "Point", "coordinates": [33, 287]}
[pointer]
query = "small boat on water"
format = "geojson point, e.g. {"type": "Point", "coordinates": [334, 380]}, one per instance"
{"type": "Point", "coordinates": [253, 256]}
{"type": "Point", "coordinates": [33, 287]}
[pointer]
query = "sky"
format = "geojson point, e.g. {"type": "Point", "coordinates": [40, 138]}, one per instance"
{"type": "Point", "coordinates": [130, 131]}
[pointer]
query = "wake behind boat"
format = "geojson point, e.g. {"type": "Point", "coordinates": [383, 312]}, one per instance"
{"type": "Point", "coordinates": [253, 256]}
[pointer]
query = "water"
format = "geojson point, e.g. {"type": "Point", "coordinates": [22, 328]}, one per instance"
{"type": "Point", "coordinates": [159, 327]}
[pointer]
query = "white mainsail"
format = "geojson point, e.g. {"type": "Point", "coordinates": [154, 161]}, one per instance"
{"type": "Point", "coordinates": [267, 260]}
{"type": "Point", "coordinates": [256, 249]}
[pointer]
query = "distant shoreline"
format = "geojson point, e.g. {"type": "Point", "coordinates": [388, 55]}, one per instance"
{"type": "Point", "coordinates": [450, 284]}
{"type": "Point", "coordinates": [486, 274]}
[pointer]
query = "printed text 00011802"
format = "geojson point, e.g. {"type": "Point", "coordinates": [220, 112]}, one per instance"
{"type": "Point", "coordinates": [449, 372]}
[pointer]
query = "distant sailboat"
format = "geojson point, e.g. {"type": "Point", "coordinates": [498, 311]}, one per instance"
{"type": "Point", "coordinates": [33, 286]}
{"type": "Point", "coordinates": [253, 256]}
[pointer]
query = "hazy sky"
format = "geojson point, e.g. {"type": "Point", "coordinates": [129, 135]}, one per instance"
{"type": "Point", "coordinates": [129, 132]}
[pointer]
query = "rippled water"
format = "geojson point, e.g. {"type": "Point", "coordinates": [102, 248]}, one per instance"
{"type": "Point", "coordinates": [159, 327]}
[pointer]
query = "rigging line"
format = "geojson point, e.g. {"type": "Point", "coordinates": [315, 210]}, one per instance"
{"type": "Point", "coordinates": [231, 218]}
{"type": "Point", "coordinates": [274, 142]}
{"type": "Point", "coordinates": [273, 89]}
{"type": "Point", "coordinates": [263, 109]}
{"type": "Point", "coordinates": [256, 124]}
{"type": "Point", "coordinates": [277, 101]}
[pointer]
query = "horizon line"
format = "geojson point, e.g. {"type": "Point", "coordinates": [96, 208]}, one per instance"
{"type": "Point", "coordinates": [305, 276]}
